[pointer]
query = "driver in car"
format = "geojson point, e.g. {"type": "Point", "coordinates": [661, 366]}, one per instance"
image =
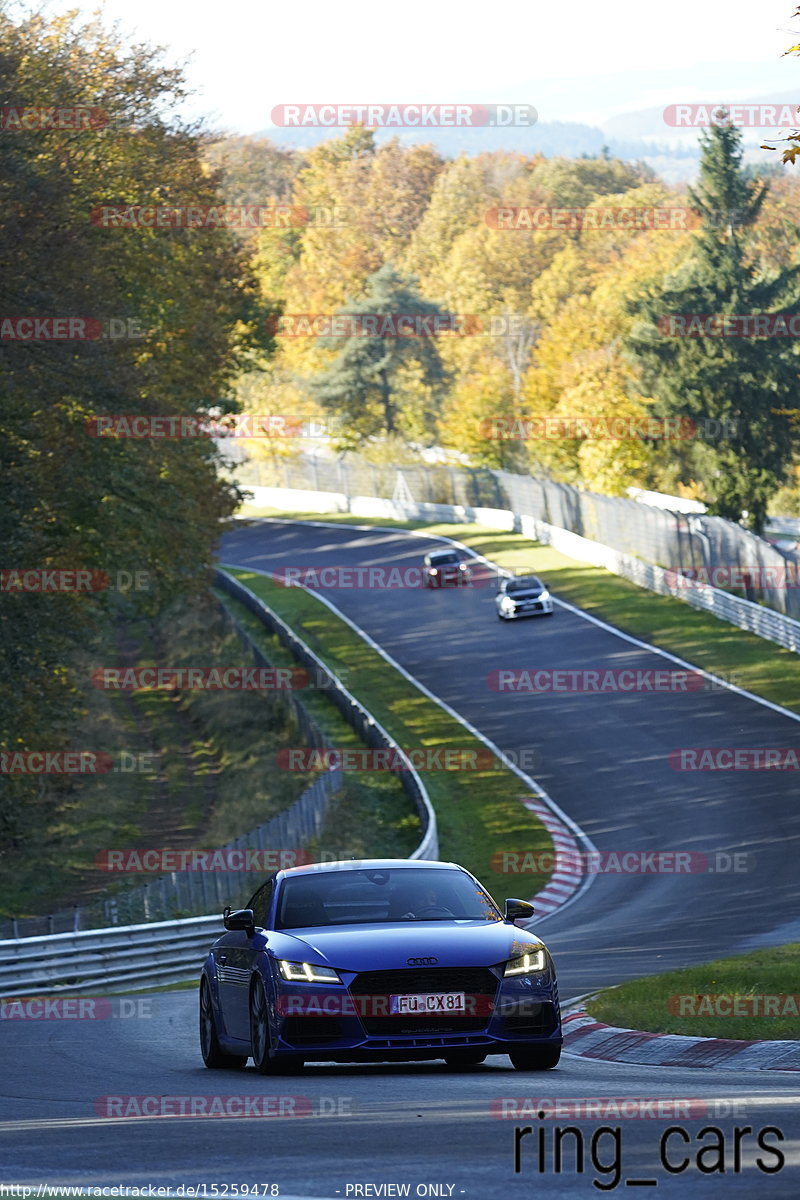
{"type": "Point", "coordinates": [429, 905]}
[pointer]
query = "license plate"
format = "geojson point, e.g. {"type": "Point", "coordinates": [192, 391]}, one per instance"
{"type": "Point", "coordinates": [427, 1003]}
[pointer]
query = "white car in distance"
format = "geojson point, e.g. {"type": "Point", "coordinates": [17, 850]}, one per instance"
{"type": "Point", "coordinates": [522, 596]}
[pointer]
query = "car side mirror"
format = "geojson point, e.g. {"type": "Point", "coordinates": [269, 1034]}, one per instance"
{"type": "Point", "coordinates": [517, 910]}
{"type": "Point", "coordinates": [240, 918]}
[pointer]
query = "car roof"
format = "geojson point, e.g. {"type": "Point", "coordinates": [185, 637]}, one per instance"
{"type": "Point", "coordinates": [366, 864]}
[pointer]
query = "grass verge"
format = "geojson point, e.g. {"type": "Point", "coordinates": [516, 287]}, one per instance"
{"type": "Point", "coordinates": [479, 812]}
{"type": "Point", "coordinates": [370, 816]}
{"type": "Point", "coordinates": [694, 1000]}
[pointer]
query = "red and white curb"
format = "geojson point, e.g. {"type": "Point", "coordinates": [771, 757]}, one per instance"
{"type": "Point", "coordinates": [587, 1038]}
{"type": "Point", "coordinates": [562, 884]}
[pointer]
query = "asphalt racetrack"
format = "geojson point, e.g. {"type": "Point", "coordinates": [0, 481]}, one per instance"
{"type": "Point", "coordinates": [422, 1130]}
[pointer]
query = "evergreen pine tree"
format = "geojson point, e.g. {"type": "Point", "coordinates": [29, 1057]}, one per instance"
{"type": "Point", "coordinates": [741, 391]}
{"type": "Point", "coordinates": [382, 385]}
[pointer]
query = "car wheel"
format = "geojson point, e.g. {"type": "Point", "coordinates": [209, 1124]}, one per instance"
{"type": "Point", "coordinates": [259, 1029]}
{"type": "Point", "coordinates": [213, 1054]}
{"type": "Point", "coordinates": [535, 1058]}
{"type": "Point", "coordinates": [458, 1059]}
{"type": "Point", "coordinates": [260, 1037]}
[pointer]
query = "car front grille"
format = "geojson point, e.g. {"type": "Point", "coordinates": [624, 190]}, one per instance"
{"type": "Point", "coordinates": [476, 982]}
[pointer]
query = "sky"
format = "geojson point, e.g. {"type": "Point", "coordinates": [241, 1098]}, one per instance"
{"type": "Point", "coordinates": [583, 60]}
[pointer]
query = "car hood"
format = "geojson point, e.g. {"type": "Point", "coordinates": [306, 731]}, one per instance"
{"type": "Point", "coordinates": [389, 946]}
{"type": "Point", "coordinates": [533, 594]}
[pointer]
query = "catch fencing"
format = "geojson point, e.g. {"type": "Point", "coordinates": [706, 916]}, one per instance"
{"type": "Point", "coordinates": [677, 541]}
{"type": "Point", "coordinates": [654, 547]}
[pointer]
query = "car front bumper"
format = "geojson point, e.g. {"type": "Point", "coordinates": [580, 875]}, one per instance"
{"type": "Point", "coordinates": [536, 608]}
{"type": "Point", "coordinates": [519, 1013]}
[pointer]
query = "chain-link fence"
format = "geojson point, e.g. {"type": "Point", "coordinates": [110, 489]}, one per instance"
{"type": "Point", "coordinates": [711, 549]}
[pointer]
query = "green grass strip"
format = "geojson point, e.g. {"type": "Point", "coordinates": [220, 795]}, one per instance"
{"type": "Point", "coordinates": [479, 812]}
{"type": "Point", "coordinates": [695, 1001]}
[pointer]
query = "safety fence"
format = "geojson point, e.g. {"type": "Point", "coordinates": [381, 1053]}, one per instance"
{"type": "Point", "coordinates": [766, 620]}
{"type": "Point", "coordinates": [717, 551]}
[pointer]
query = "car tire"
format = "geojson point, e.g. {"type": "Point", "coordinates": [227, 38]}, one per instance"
{"type": "Point", "coordinates": [461, 1059]}
{"type": "Point", "coordinates": [261, 1039]}
{"type": "Point", "coordinates": [213, 1055]}
{"type": "Point", "coordinates": [535, 1058]}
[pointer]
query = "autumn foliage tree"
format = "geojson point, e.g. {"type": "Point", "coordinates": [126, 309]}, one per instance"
{"type": "Point", "coordinates": [70, 499]}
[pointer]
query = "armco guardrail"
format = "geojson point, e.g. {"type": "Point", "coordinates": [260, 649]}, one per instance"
{"type": "Point", "coordinates": [354, 713]}
{"type": "Point", "coordinates": [755, 618]}
{"type": "Point", "coordinates": [125, 958]}
{"type": "Point", "coordinates": [136, 957]}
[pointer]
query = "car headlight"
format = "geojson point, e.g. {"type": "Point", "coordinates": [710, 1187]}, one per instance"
{"type": "Point", "coordinates": [545, 595]}
{"type": "Point", "coordinates": [528, 964]}
{"type": "Point", "coordinates": [303, 972]}
{"type": "Point", "coordinates": [433, 571]}
{"type": "Point", "coordinates": [507, 603]}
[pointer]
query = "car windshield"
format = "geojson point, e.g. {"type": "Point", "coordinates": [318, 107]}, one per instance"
{"type": "Point", "coordinates": [448, 557]}
{"type": "Point", "coordinates": [382, 895]}
{"type": "Point", "coordinates": [524, 583]}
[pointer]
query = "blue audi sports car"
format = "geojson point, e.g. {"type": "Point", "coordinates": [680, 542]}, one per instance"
{"type": "Point", "coordinates": [377, 960]}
